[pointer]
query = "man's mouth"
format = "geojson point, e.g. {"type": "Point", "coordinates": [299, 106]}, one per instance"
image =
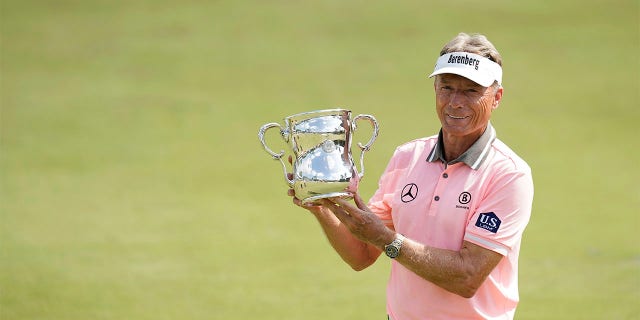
{"type": "Point", "coordinates": [456, 117]}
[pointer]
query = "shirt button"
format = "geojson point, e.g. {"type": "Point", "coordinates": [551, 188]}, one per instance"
{"type": "Point", "coordinates": [444, 175]}
{"type": "Point", "coordinates": [436, 198]}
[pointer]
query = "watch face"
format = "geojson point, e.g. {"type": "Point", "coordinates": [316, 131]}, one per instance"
{"type": "Point", "coordinates": [391, 251]}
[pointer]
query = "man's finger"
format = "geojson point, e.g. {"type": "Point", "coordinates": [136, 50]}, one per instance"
{"type": "Point", "coordinates": [350, 209]}
{"type": "Point", "coordinates": [345, 204]}
{"type": "Point", "coordinates": [340, 213]}
{"type": "Point", "coordinates": [359, 202]}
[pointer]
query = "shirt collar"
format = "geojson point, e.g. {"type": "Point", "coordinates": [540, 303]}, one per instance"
{"type": "Point", "coordinates": [474, 156]}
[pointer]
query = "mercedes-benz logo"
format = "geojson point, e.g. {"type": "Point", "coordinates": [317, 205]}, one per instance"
{"type": "Point", "coordinates": [409, 193]}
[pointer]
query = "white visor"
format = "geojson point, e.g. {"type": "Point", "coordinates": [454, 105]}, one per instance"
{"type": "Point", "coordinates": [471, 66]}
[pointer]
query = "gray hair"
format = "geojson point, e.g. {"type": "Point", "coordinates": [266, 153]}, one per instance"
{"type": "Point", "coordinates": [474, 43]}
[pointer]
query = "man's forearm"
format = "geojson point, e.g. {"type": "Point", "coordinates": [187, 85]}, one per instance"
{"type": "Point", "coordinates": [359, 255]}
{"type": "Point", "coordinates": [460, 272]}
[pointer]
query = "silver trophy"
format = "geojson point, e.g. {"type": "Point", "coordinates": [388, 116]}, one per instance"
{"type": "Point", "coordinates": [321, 145]}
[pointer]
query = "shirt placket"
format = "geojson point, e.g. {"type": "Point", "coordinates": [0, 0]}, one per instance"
{"type": "Point", "coordinates": [440, 189]}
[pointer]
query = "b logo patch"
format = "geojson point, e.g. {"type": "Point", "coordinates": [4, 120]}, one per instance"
{"type": "Point", "coordinates": [464, 198]}
{"type": "Point", "coordinates": [488, 221]}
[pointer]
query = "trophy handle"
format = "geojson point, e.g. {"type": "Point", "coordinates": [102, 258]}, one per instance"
{"type": "Point", "coordinates": [276, 156]}
{"type": "Point", "coordinates": [365, 148]}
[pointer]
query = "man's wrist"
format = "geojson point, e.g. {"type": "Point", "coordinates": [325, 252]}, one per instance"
{"type": "Point", "coordinates": [392, 250]}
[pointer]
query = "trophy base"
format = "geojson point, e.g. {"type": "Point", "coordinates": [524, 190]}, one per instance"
{"type": "Point", "coordinates": [313, 199]}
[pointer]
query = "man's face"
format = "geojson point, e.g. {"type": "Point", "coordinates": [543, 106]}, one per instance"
{"type": "Point", "coordinates": [464, 107]}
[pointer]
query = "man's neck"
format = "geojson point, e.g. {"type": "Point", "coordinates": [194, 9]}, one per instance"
{"type": "Point", "coordinates": [455, 146]}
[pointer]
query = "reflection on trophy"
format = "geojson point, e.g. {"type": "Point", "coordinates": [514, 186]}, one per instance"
{"type": "Point", "coordinates": [320, 142]}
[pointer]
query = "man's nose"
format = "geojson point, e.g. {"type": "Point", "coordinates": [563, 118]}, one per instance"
{"type": "Point", "coordinates": [456, 99]}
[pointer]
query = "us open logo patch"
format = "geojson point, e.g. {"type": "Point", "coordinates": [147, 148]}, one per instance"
{"type": "Point", "coordinates": [488, 221]}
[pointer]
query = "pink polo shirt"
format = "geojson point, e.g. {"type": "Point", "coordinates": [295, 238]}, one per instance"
{"type": "Point", "coordinates": [483, 197]}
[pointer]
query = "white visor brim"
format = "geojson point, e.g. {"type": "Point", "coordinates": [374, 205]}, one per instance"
{"type": "Point", "coordinates": [471, 66]}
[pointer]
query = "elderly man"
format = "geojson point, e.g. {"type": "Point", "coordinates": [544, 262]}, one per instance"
{"type": "Point", "coordinates": [450, 209]}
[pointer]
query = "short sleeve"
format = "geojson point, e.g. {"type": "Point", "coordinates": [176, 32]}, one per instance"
{"type": "Point", "coordinates": [504, 212]}
{"type": "Point", "coordinates": [380, 203]}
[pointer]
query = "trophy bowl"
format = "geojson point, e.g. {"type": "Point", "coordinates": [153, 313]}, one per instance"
{"type": "Point", "coordinates": [320, 145]}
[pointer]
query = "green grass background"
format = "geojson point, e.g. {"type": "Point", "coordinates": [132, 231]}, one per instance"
{"type": "Point", "coordinates": [133, 185]}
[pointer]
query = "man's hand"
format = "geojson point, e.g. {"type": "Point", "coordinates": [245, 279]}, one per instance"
{"type": "Point", "coordinates": [346, 238]}
{"type": "Point", "coordinates": [360, 221]}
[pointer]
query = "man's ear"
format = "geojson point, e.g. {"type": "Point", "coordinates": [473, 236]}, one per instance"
{"type": "Point", "coordinates": [497, 97]}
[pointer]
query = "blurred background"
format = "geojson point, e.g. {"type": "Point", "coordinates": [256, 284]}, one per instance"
{"type": "Point", "coordinates": [133, 185]}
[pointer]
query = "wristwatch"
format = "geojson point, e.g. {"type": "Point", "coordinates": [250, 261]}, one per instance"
{"type": "Point", "coordinates": [392, 250]}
